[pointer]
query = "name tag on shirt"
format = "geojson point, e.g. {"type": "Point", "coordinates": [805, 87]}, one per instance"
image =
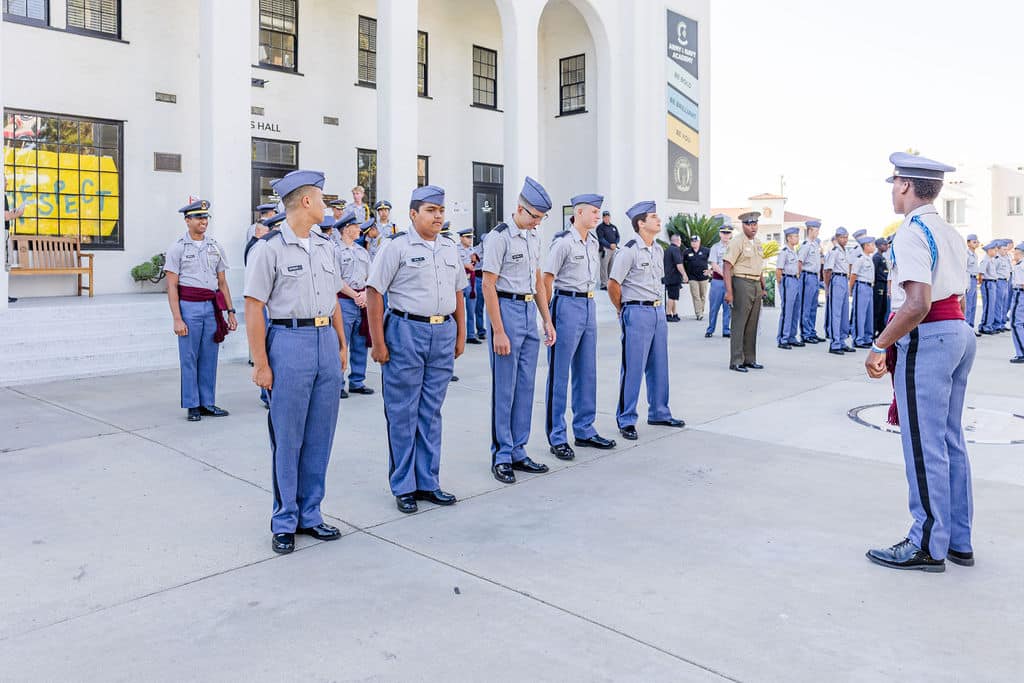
{"type": "Point", "coordinates": [517, 257]}
{"type": "Point", "coordinates": [294, 269]}
{"type": "Point", "coordinates": [417, 259]}
{"type": "Point", "coordinates": [190, 255]}
{"type": "Point", "coordinates": [578, 257]}
{"type": "Point", "coordinates": [645, 264]}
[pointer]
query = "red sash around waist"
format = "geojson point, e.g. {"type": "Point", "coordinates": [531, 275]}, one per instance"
{"type": "Point", "coordinates": [364, 322]}
{"type": "Point", "coordinates": [220, 305]}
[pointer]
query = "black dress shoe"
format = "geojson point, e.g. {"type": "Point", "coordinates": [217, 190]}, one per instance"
{"type": "Point", "coordinates": [321, 532]}
{"type": "Point", "coordinates": [849, 349]}
{"type": "Point", "coordinates": [213, 411]}
{"type": "Point", "coordinates": [344, 394]}
{"type": "Point", "coordinates": [406, 503]}
{"type": "Point", "coordinates": [527, 465]}
{"type": "Point", "coordinates": [481, 336]}
{"type": "Point", "coordinates": [437, 497]}
{"type": "Point", "coordinates": [785, 346]}
{"type": "Point", "coordinates": [838, 352]}
{"type": "Point", "coordinates": [962, 559]}
{"type": "Point", "coordinates": [708, 335]}
{"type": "Point", "coordinates": [629, 432]}
{"type": "Point", "coordinates": [503, 473]}
{"type": "Point", "coordinates": [1017, 359]}
{"type": "Point", "coordinates": [906, 555]}
{"type": "Point", "coordinates": [812, 340]}
{"type": "Point", "coordinates": [862, 346]}
{"type": "Point", "coordinates": [11, 299]}
{"type": "Point", "coordinates": [194, 415]}
{"type": "Point", "coordinates": [671, 422]}
{"type": "Point", "coordinates": [473, 340]}
{"type": "Point", "coordinates": [596, 441]}
{"type": "Point", "coordinates": [753, 366]}
{"type": "Point", "coordinates": [283, 543]}
{"type": "Point", "coordinates": [797, 344]}
{"type": "Point", "coordinates": [738, 368]}
{"type": "Point", "coordinates": [455, 378]}
{"type": "Point", "coordinates": [563, 451]}
{"type": "Point", "coordinates": [365, 391]}
{"type": "Point", "coordinates": [726, 335]}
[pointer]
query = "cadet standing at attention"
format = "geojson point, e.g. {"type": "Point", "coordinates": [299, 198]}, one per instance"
{"type": "Point", "coordinates": [787, 281]}
{"type": "Point", "coordinates": [385, 225]}
{"type": "Point", "coordinates": [198, 294]}
{"type": "Point", "coordinates": [469, 293]}
{"type": "Point", "coordinates": [1003, 269]}
{"type": "Point", "coordinates": [716, 295]}
{"type": "Point", "coordinates": [1017, 304]}
{"type": "Point", "coordinates": [881, 288]}
{"type": "Point", "coordinates": [634, 287]}
{"type": "Point", "coordinates": [934, 351]}
{"type": "Point", "coordinates": [572, 273]}
{"type": "Point", "coordinates": [479, 310]}
{"type": "Point", "coordinates": [862, 282]}
{"type": "Point", "coordinates": [416, 342]}
{"type": "Point", "coordinates": [354, 267]}
{"type": "Point", "coordinates": [513, 294]}
{"type": "Point", "coordinates": [837, 295]}
{"type": "Point", "coordinates": [744, 289]}
{"type": "Point", "coordinates": [973, 271]}
{"type": "Point", "coordinates": [300, 358]}
{"type": "Point", "coordinates": [810, 267]}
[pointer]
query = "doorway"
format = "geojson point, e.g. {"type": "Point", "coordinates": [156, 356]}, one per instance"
{"type": "Point", "coordinates": [271, 159]}
{"type": "Point", "coordinates": [488, 186]}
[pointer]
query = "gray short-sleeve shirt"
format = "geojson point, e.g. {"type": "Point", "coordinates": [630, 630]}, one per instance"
{"type": "Point", "coordinates": [638, 269]}
{"type": "Point", "coordinates": [293, 282]}
{"type": "Point", "coordinates": [575, 264]}
{"type": "Point", "coordinates": [514, 256]}
{"type": "Point", "coordinates": [419, 278]}
{"type": "Point", "coordinates": [196, 265]}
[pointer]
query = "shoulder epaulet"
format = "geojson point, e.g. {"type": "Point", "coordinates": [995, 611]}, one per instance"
{"type": "Point", "coordinates": [271, 234]}
{"type": "Point", "coordinates": [500, 227]}
{"type": "Point", "coordinates": [803, 243]}
{"type": "Point", "coordinates": [397, 234]}
{"type": "Point", "coordinates": [631, 243]}
{"type": "Point", "coordinates": [560, 234]}
{"type": "Point", "coordinates": [448, 235]}
{"type": "Point", "coordinates": [322, 236]}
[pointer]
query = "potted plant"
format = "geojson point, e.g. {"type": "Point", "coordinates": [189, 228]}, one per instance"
{"type": "Point", "coordinates": [150, 271]}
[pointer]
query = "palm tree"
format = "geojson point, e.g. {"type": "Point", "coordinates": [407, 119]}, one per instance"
{"type": "Point", "coordinates": [687, 225]}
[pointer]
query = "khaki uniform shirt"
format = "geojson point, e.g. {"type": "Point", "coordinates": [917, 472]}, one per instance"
{"type": "Point", "coordinates": [745, 255]}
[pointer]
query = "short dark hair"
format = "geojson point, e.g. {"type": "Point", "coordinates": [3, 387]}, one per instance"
{"type": "Point", "coordinates": [925, 188]}
{"type": "Point", "coordinates": [637, 220]}
{"type": "Point", "coordinates": [415, 204]}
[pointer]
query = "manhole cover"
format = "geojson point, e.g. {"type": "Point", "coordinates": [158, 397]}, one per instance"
{"type": "Point", "coordinates": [980, 424]}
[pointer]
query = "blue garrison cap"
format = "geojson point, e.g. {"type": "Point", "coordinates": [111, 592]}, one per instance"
{"type": "Point", "coordinates": [365, 227]}
{"type": "Point", "coordinates": [1006, 242]}
{"type": "Point", "coordinates": [200, 208]}
{"type": "Point", "coordinates": [534, 194]}
{"type": "Point", "coordinates": [857, 234]}
{"type": "Point", "coordinates": [638, 209]}
{"type": "Point", "coordinates": [594, 200]}
{"type": "Point", "coordinates": [972, 237]}
{"type": "Point", "coordinates": [913, 166]}
{"type": "Point", "coordinates": [864, 239]}
{"type": "Point", "coordinates": [432, 194]}
{"type": "Point", "coordinates": [327, 222]}
{"type": "Point", "coordinates": [841, 232]}
{"type": "Point", "coordinates": [273, 220]}
{"type": "Point", "coordinates": [382, 203]}
{"type": "Point", "coordinates": [792, 231]}
{"type": "Point", "coordinates": [347, 218]}
{"type": "Point", "coordinates": [267, 207]}
{"type": "Point", "coordinates": [813, 224]}
{"type": "Point", "coordinates": [296, 179]}
{"type": "Point", "coordinates": [1020, 246]}
{"type": "Point", "coordinates": [465, 232]}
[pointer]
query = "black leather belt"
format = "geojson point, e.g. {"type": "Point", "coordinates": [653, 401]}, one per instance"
{"type": "Point", "coordinates": [432, 319]}
{"type": "Point", "coordinates": [987, 279]}
{"type": "Point", "coordinates": [322, 321]}
{"type": "Point", "coordinates": [656, 302]}
{"type": "Point", "coordinates": [515, 297]}
{"type": "Point", "coordinates": [579, 295]}
{"type": "Point", "coordinates": [792, 276]}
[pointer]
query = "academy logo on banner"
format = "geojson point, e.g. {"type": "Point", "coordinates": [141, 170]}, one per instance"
{"type": "Point", "coordinates": [682, 108]}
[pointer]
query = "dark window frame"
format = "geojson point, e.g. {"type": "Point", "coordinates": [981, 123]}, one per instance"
{"type": "Point", "coordinates": [476, 75]}
{"type": "Point", "coordinates": [28, 21]}
{"type": "Point", "coordinates": [426, 170]}
{"type": "Point", "coordinates": [370, 187]}
{"type": "Point", "coordinates": [370, 51]}
{"type": "Point", "coordinates": [119, 161]}
{"type": "Point", "coordinates": [423, 66]}
{"type": "Point", "coordinates": [274, 164]}
{"type": "Point", "coordinates": [564, 86]}
{"type": "Point", "coordinates": [294, 68]}
{"type": "Point", "coordinates": [82, 31]}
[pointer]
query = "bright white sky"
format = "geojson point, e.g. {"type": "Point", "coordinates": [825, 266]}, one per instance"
{"type": "Point", "coordinates": [823, 91]}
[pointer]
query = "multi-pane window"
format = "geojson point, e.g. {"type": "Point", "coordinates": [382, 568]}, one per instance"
{"type": "Point", "coordinates": [96, 16]}
{"type": "Point", "coordinates": [955, 210]}
{"type": "Point", "coordinates": [279, 33]}
{"type": "Point", "coordinates": [422, 171]}
{"type": "Point", "coordinates": [572, 81]}
{"type": "Point", "coordinates": [367, 50]}
{"type": "Point", "coordinates": [1015, 206]}
{"type": "Point", "coordinates": [29, 11]}
{"type": "Point", "coordinates": [275, 152]}
{"type": "Point", "coordinates": [421, 63]}
{"type": "Point", "coordinates": [366, 173]}
{"type": "Point", "coordinates": [66, 172]}
{"type": "Point", "coordinates": [485, 77]}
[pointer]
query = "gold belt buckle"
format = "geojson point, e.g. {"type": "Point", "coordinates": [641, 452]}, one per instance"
{"type": "Point", "coordinates": [590, 295]}
{"type": "Point", "coordinates": [657, 302]}
{"type": "Point", "coordinates": [528, 297]}
{"type": "Point", "coordinates": [436, 319]}
{"type": "Point", "coordinates": [322, 321]}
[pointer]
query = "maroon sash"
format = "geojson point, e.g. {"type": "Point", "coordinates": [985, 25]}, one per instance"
{"type": "Point", "coordinates": [364, 321]}
{"type": "Point", "coordinates": [946, 309]}
{"type": "Point", "coordinates": [220, 305]}
{"type": "Point", "coordinates": [472, 283]}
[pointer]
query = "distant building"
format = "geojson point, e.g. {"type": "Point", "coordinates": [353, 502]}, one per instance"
{"type": "Point", "coordinates": [986, 200]}
{"type": "Point", "coordinates": [774, 217]}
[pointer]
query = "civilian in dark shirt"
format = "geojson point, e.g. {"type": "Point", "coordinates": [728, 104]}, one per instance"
{"type": "Point", "coordinates": [608, 239]}
{"type": "Point", "coordinates": [10, 215]}
{"type": "Point", "coordinates": [695, 260]}
{"type": "Point", "coordinates": [881, 286]}
{"type": "Point", "coordinates": [675, 276]}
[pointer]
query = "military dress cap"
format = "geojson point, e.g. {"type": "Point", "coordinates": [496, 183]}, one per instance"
{"type": "Point", "coordinates": [913, 166]}
{"type": "Point", "coordinates": [337, 203]}
{"type": "Point", "coordinates": [864, 239]}
{"type": "Point", "coordinates": [534, 194]}
{"type": "Point", "coordinates": [726, 222]}
{"type": "Point", "coordinates": [841, 232]}
{"type": "Point", "coordinates": [267, 207]}
{"type": "Point", "coordinates": [750, 217]}
{"type": "Point", "coordinates": [382, 203]}
{"type": "Point", "coordinates": [594, 200]}
{"type": "Point", "coordinates": [274, 220]}
{"type": "Point", "coordinates": [694, 238]}
{"type": "Point", "coordinates": [640, 208]}
{"type": "Point", "coordinates": [365, 227]}
{"type": "Point", "coordinates": [296, 179]}
{"type": "Point", "coordinates": [813, 224]}
{"type": "Point", "coordinates": [465, 232]}
{"type": "Point", "coordinates": [793, 230]}
{"type": "Point", "coordinates": [447, 227]}
{"type": "Point", "coordinates": [606, 213]}
{"type": "Point", "coordinates": [972, 237]}
{"type": "Point", "coordinates": [347, 218]}
{"type": "Point", "coordinates": [431, 194]}
{"type": "Point", "coordinates": [200, 208]}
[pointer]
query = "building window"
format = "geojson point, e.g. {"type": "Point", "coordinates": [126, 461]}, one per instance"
{"type": "Point", "coordinates": [572, 80]}
{"type": "Point", "coordinates": [1015, 206]}
{"type": "Point", "coordinates": [276, 153]}
{"type": "Point", "coordinates": [489, 174]}
{"type": "Point", "coordinates": [421, 64]}
{"type": "Point", "coordinates": [955, 209]}
{"type": "Point", "coordinates": [485, 77]}
{"type": "Point", "coordinates": [366, 173]}
{"type": "Point", "coordinates": [422, 171]}
{"type": "Point", "coordinates": [95, 16]}
{"type": "Point", "coordinates": [367, 51]}
{"type": "Point", "coordinates": [66, 171]}
{"type": "Point", "coordinates": [279, 33]}
{"type": "Point", "coordinates": [27, 11]}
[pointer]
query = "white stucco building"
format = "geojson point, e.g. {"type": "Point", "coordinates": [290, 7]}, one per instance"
{"type": "Point", "coordinates": [116, 112]}
{"type": "Point", "coordinates": [985, 200]}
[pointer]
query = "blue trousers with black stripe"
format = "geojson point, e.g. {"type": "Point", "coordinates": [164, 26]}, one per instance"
{"type": "Point", "coordinates": [971, 299]}
{"type": "Point", "coordinates": [932, 366]}
{"type": "Point", "coordinates": [471, 321]}
{"type": "Point", "coordinates": [644, 356]}
{"type": "Point", "coordinates": [357, 349]}
{"type": "Point", "coordinates": [837, 311]}
{"type": "Point", "coordinates": [789, 309]}
{"type": "Point", "coordinates": [808, 304]}
{"type": "Point", "coordinates": [863, 312]}
{"type": "Point", "coordinates": [988, 306]}
{"type": "Point", "coordinates": [513, 378]}
{"type": "Point", "coordinates": [422, 357]}
{"type": "Point", "coordinates": [1003, 305]}
{"type": "Point", "coordinates": [479, 312]}
{"type": "Point", "coordinates": [302, 419]}
{"type": "Point", "coordinates": [197, 354]}
{"type": "Point", "coordinates": [573, 354]}
{"type": "Point", "coordinates": [1017, 321]}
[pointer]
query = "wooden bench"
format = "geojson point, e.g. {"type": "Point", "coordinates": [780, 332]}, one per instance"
{"type": "Point", "coordinates": [42, 255]}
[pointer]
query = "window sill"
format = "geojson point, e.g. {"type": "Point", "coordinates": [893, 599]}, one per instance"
{"type": "Point", "coordinates": [26, 21]}
{"type": "Point", "coordinates": [278, 69]}
{"type": "Point", "coordinates": [424, 97]}
{"type": "Point", "coordinates": [573, 113]}
{"type": "Point", "coordinates": [366, 84]}
{"type": "Point", "coordinates": [486, 107]}
{"type": "Point", "coordinates": [95, 34]}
